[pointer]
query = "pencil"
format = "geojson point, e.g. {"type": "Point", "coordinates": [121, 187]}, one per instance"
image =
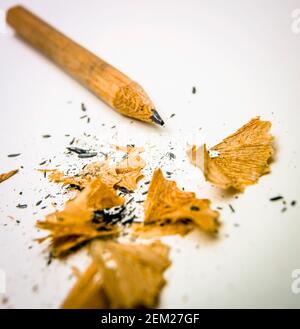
{"type": "Point", "coordinates": [112, 86]}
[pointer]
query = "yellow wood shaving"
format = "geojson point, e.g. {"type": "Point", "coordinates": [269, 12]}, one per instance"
{"type": "Point", "coordinates": [166, 203]}
{"type": "Point", "coordinates": [73, 225]}
{"type": "Point", "coordinates": [7, 175]}
{"type": "Point", "coordinates": [126, 173]}
{"type": "Point", "coordinates": [88, 291]}
{"type": "Point", "coordinates": [121, 276]}
{"type": "Point", "coordinates": [240, 159]}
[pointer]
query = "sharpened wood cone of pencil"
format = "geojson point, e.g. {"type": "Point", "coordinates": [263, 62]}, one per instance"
{"type": "Point", "coordinates": [113, 87]}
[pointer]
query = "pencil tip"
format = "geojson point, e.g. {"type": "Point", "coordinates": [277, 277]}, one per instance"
{"type": "Point", "coordinates": [155, 117]}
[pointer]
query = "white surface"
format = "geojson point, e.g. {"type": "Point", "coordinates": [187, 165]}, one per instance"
{"type": "Point", "coordinates": [242, 56]}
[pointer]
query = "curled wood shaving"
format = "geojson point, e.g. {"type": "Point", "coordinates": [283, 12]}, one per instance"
{"type": "Point", "coordinates": [130, 180]}
{"type": "Point", "coordinates": [167, 204]}
{"type": "Point", "coordinates": [59, 177]}
{"type": "Point", "coordinates": [240, 159]}
{"type": "Point", "coordinates": [66, 237]}
{"type": "Point", "coordinates": [92, 170]}
{"type": "Point", "coordinates": [121, 276]}
{"type": "Point", "coordinates": [73, 225]}
{"type": "Point", "coordinates": [88, 291]}
{"type": "Point", "coordinates": [126, 173]}
{"type": "Point", "coordinates": [129, 169]}
{"type": "Point", "coordinates": [7, 175]}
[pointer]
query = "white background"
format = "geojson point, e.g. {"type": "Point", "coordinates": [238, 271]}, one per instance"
{"type": "Point", "coordinates": [243, 58]}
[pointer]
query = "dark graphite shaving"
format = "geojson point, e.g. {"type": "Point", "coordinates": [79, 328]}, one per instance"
{"type": "Point", "coordinates": [77, 150]}
{"type": "Point", "coordinates": [87, 155]}
{"type": "Point", "coordinates": [21, 206]}
{"type": "Point", "coordinates": [83, 108]}
{"type": "Point", "coordinates": [284, 202]}
{"type": "Point", "coordinates": [231, 208]}
{"type": "Point", "coordinates": [171, 155]}
{"type": "Point", "coordinates": [109, 216]}
{"type": "Point", "coordinates": [122, 215]}
{"type": "Point", "coordinates": [276, 198]}
{"type": "Point", "coordinates": [82, 153]}
{"type": "Point", "coordinates": [124, 190]}
{"type": "Point", "coordinates": [13, 155]}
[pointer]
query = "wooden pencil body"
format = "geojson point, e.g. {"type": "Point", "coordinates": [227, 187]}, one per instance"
{"type": "Point", "coordinates": [108, 83]}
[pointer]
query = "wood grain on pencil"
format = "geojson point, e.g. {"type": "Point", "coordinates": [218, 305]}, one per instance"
{"type": "Point", "coordinates": [108, 83]}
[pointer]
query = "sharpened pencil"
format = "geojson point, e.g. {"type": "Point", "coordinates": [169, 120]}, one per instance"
{"type": "Point", "coordinates": [112, 86]}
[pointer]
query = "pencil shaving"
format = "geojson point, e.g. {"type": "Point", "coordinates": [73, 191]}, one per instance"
{"type": "Point", "coordinates": [129, 169]}
{"type": "Point", "coordinates": [167, 204]}
{"type": "Point", "coordinates": [88, 291]}
{"type": "Point", "coordinates": [95, 169]}
{"type": "Point", "coordinates": [7, 175]}
{"type": "Point", "coordinates": [121, 276]}
{"type": "Point", "coordinates": [126, 173]}
{"type": "Point", "coordinates": [240, 159]}
{"type": "Point", "coordinates": [66, 237]}
{"type": "Point", "coordinates": [73, 225]}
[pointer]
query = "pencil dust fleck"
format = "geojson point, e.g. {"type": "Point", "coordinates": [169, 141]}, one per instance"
{"type": "Point", "coordinates": [21, 206]}
{"type": "Point", "coordinates": [83, 108]}
{"type": "Point", "coordinates": [13, 155]}
{"type": "Point", "coordinates": [231, 208]}
{"type": "Point", "coordinates": [276, 198]}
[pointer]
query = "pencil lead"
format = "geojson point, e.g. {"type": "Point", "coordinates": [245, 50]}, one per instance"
{"type": "Point", "coordinates": [155, 117]}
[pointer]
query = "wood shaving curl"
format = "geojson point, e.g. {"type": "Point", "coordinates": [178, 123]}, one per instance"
{"type": "Point", "coordinates": [121, 276]}
{"type": "Point", "coordinates": [170, 208]}
{"type": "Point", "coordinates": [126, 173]}
{"type": "Point", "coordinates": [7, 175]}
{"type": "Point", "coordinates": [74, 225]}
{"type": "Point", "coordinates": [240, 159]}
